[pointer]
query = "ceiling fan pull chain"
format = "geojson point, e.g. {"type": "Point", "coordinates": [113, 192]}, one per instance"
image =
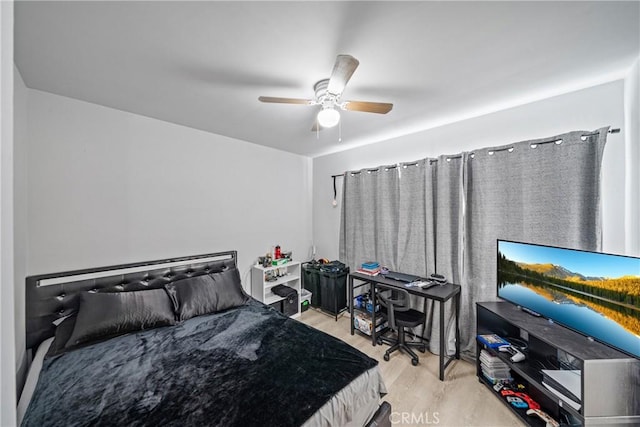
{"type": "Point", "coordinates": [340, 131]}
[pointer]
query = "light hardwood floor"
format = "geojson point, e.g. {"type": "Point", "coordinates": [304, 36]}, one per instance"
{"type": "Point", "coordinates": [416, 395]}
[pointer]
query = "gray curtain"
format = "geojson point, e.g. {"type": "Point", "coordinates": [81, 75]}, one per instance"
{"type": "Point", "coordinates": [448, 213]}
{"type": "Point", "coordinates": [369, 221]}
{"type": "Point", "coordinates": [445, 215]}
{"type": "Point", "coordinates": [544, 191]}
{"type": "Point", "coordinates": [415, 254]}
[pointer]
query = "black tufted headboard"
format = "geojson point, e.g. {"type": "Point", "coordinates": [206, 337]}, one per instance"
{"type": "Point", "coordinates": [51, 296]}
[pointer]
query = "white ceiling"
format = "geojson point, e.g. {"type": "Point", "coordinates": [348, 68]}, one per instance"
{"type": "Point", "coordinates": [203, 64]}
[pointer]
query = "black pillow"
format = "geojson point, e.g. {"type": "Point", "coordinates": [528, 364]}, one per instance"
{"type": "Point", "coordinates": [63, 333]}
{"type": "Point", "coordinates": [193, 296]}
{"type": "Point", "coordinates": [198, 295]}
{"type": "Point", "coordinates": [229, 287]}
{"type": "Point", "coordinates": [102, 315]}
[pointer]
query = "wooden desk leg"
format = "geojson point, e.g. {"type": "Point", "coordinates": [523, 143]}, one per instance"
{"type": "Point", "coordinates": [350, 302]}
{"type": "Point", "coordinates": [442, 328]}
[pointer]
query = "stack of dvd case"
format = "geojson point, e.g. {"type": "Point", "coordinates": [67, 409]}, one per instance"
{"type": "Point", "coordinates": [494, 369]}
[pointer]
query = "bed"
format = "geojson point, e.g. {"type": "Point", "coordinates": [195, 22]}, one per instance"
{"type": "Point", "coordinates": [178, 342]}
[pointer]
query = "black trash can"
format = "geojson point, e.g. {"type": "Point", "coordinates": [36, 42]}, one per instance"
{"type": "Point", "coordinates": [311, 281]}
{"type": "Point", "coordinates": [333, 287]}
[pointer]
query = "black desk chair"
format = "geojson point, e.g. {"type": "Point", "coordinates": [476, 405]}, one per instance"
{"type": "Point", "coordinates": [400, 315]}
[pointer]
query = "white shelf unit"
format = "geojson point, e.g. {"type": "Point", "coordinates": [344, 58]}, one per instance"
{"type": "Point", "coordinates": [261, 288]}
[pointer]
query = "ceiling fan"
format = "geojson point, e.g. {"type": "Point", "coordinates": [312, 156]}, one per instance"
{"type": "Point", "coordinates": [328, 93]}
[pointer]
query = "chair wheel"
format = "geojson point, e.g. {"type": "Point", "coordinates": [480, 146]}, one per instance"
{"type": "Point", "coordinates": [422, 349]}
{"type": "Point", "coordinates": [414, 362]}
{"type": "Point", "coordinates": [379, 341]}
{"type": "Point", "coordinates": [386, 357]}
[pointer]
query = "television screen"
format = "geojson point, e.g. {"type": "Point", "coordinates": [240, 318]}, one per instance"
{"type": "Point", "coordinates": [595, 294]}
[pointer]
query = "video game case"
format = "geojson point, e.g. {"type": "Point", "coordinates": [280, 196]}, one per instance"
{"type": "Point", "coordinates": [500, 366]}
{"type": "Point", "coordinates": [492, 340]}
{"type": "Point", "coordinates": [495, 380]}
{"type": "Point", "coordinates": [494, 365]}
{"type": "Point", "coordinates": [491, 360]}
{"type": "Point", "coordinates": [497, 373]}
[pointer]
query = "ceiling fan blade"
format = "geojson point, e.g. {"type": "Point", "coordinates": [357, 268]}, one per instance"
{"type": "Point", "coordinates": [342, 71]}
{"type": "Point", "coordinates": [368, 107]}
{"type": "Point", "coordinates": [286, 100]}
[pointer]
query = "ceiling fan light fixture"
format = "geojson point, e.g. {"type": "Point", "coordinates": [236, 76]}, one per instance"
{"type": "Point", "coordinates": [328, 117]}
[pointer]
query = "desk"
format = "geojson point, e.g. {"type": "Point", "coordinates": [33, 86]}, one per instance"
{"type": "Point", "coordinates": [437, 293]}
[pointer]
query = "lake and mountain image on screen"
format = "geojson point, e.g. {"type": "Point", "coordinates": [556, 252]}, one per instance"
{"type": "Point", "coordinates": [593, 293]}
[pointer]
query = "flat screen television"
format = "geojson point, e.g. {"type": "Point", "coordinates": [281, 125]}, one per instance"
{"type": "Point", "coordinates": [593, 293]}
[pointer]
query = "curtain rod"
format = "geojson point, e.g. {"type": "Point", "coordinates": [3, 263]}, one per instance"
{"type": "Point", "coordinates": [614, 130]}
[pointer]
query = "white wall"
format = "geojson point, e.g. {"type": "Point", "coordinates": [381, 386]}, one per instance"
{"type": "Point", "coordinates": [20, 97]}
{"type": "Point", "coordinates": [7, 331]}
{"type": "Point", "coordinates": [586, 109]}
{"type": "Point", "coordinates": [632, 169]}
{"type": "Point", "coordinates": [108, 187]}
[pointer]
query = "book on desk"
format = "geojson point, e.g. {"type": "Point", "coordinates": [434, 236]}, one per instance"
{"type": "Point", "coordinates": [370, 268]}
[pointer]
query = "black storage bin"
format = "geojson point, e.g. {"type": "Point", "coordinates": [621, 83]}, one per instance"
{"type": "Point", "coordinates": [291, 301]}
{"type": "Point", "coordinates": [277, 305]}
{"type": "Point", "coordinates": [311, 281]}
{"type": "Point", "coordinates": [290, 304]}
{"type": "Point", "coordinates": [333, 287]}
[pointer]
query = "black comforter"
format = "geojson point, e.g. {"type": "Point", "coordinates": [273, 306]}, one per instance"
{"type": "Point", "coordinates": [246, 366]}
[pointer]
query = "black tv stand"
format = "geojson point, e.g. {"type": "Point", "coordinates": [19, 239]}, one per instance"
{"type": "Point", "coordinates": [609, 379]}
